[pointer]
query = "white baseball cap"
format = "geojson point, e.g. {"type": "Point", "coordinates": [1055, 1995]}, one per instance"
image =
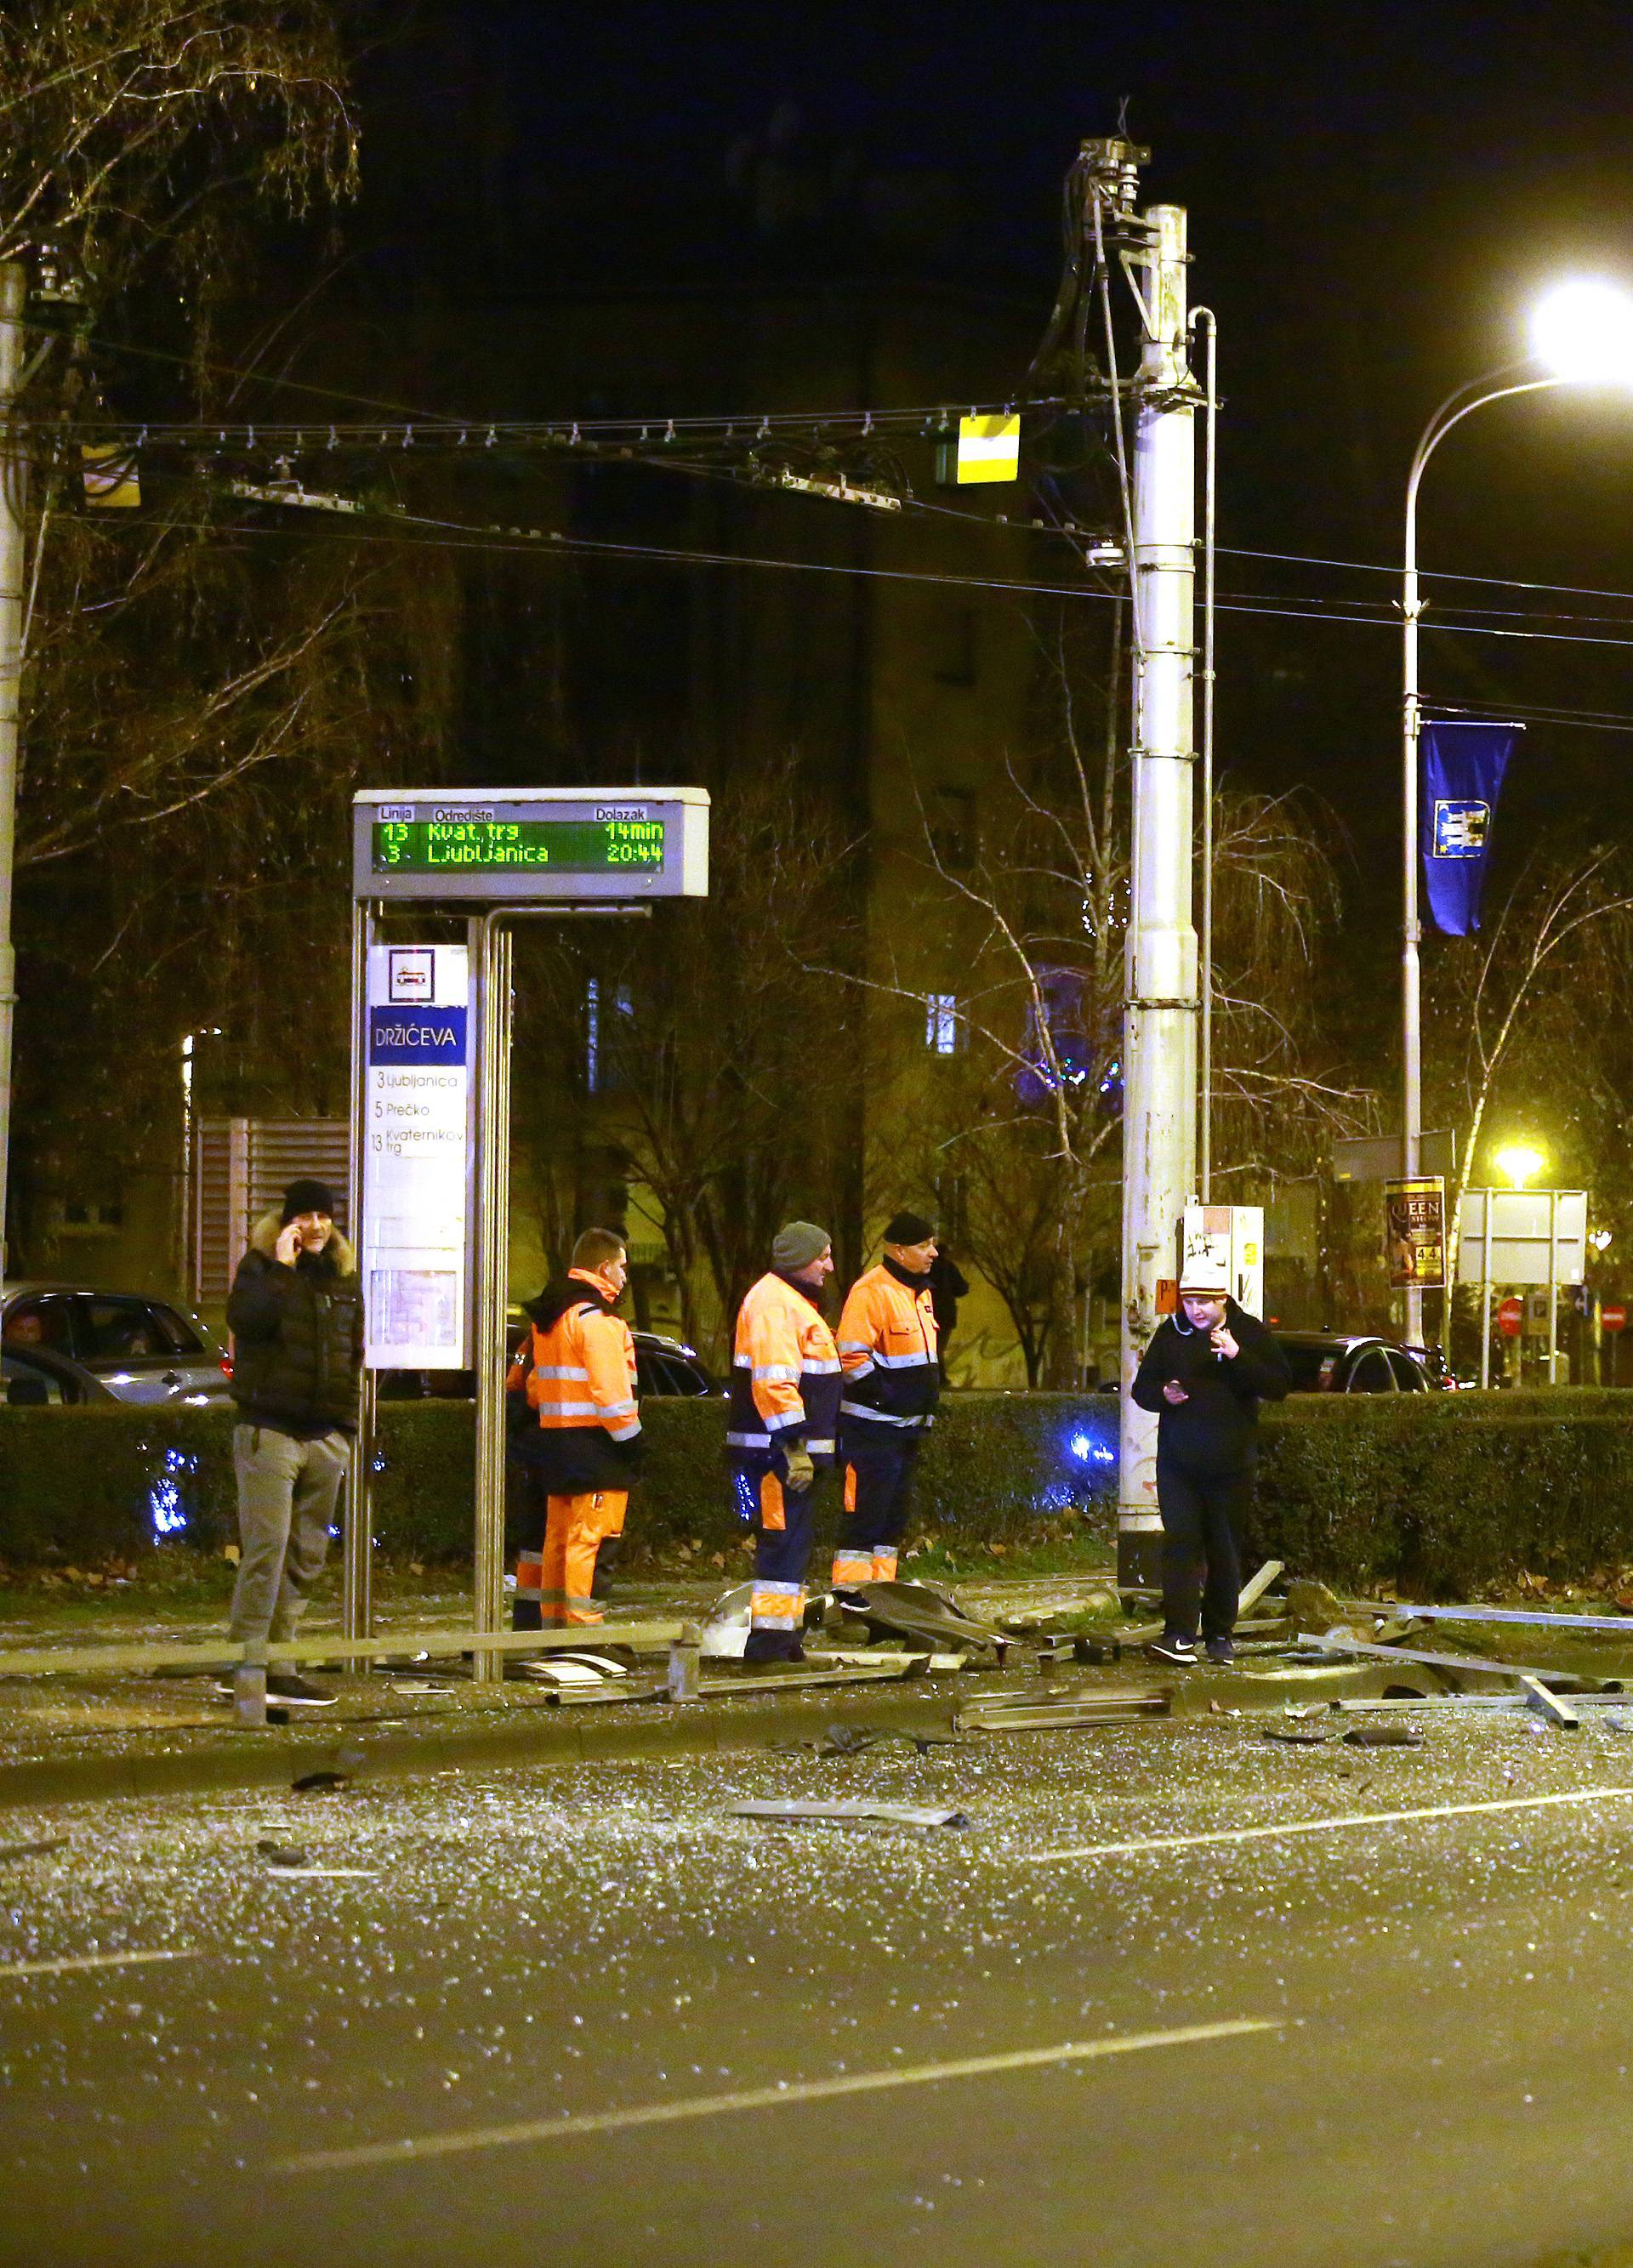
{"type": "Point", "coordinates": [1207, 1278]}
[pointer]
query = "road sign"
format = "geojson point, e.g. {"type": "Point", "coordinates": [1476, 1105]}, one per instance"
{"type": "Point", "coordinates": [1510, 1317]}
{"type": "Point", "coordinates": [1377, 1158]}
{"type": "Point", "coordinates": [1613, 1319]}
{"type": "Point", "coordinates": [541, 846]}
{"type": "Point", "coordinates": [416, 1231]}
{"type": "Point", "coordinates": [1523, 1236]}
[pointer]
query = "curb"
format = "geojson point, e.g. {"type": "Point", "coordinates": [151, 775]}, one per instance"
{"type": "Point", "coordinates": [544, 1736]}
{"type": "Point", "coordinates": [538, 1737]}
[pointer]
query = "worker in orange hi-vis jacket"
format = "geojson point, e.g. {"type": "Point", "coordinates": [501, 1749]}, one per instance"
{"type": "Point", "coordinates": [781, 1432]}
{"type": "Point", "coordinates": [887, 1341]}
{"type": "Point", "coordinates": [577, 1371]}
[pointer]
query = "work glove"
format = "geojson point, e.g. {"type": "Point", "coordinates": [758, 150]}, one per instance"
{"type": "Point", "coordinates": [802, 1472]}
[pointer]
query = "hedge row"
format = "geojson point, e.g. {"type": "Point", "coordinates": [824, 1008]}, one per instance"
{"type": "Point", "coordinates": [1439, 1494]}
{"type": "Point", "coordinates": [1447, 1494]}
{"type": "Point", "coordinates": [82, 1485]}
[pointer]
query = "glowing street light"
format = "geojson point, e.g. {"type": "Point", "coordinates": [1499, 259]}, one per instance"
{"type": "Point", "coordinates": [1581, 331]}
{"type": "Point", "coordinates": [1581, 335]}
{"type": "Point", "coordinates": [1519, 1162]}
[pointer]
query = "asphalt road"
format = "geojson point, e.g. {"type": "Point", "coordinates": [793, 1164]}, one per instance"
{"type": "Point", "coordinates": [587, 2016]}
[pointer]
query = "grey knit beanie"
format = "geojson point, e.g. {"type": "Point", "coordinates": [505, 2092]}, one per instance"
{"type": "Point", "coordinates": [797, 1243]}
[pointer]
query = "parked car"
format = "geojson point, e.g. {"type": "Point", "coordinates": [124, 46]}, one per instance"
{"type": "Point", "coordinates": [32, 1379]}
{"type": "Point", "coordinates": [138, 1348]}
{"type": "Point", "coordinates": [662, 1367]}
{"type": "Point", "coordinates": [1345, 1362]}
{"type": "Point", "coordinates": [1341, 1362]}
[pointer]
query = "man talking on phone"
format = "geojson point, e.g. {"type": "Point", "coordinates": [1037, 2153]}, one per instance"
{"type": "Point", "coordinates": [1205, 1373]}
{"type": "Point", "coordinates": [295, 1312]}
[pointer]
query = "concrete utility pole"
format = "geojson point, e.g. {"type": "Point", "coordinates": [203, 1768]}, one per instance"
{"type": "Point", "coordinates": [1163, 1003]}
{"type": "Point", "coordinates": [14, 492]}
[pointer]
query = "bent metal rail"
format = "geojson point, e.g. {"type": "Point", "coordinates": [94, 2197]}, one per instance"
{"type": "Point", "coordinates": [249, 1659]}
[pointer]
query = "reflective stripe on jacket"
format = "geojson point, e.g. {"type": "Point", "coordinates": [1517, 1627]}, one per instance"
{"type": "Point", "coordinates": [887, 1341]}
{"type": "Point", "coordinates": [579, 1369]}
{"type": "Point", "coordinates": [784, 1373]}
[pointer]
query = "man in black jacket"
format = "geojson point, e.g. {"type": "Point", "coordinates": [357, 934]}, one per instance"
{"type": "Point", "coordinates": [296, 1315]}
{"type": "Point", "coordinates": [1205, 1373]}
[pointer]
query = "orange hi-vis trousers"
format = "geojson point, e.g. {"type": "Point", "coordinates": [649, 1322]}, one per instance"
{"type": "Point", "coordinates": [561, 1577]}
{"type": "Point", "coordinates": [784, 1532]}
{"type": "Point", "coordinates": [878, 1493]}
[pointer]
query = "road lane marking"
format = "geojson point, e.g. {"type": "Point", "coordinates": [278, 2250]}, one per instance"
{"type": "Point", "coordinates": [1315, 1826]}
{"type": "Point", "coordinates": [93, 1961]}
{"type": "Point", "coordinates": [330, 1873]}
{"type": "Point", "coordinates": [565, 2129]}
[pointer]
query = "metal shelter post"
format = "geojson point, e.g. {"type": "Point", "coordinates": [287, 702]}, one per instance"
{"type": "Point", "coordinates": [493, 964]}
{"type": "Point", "coordinates": [1553, 1287]}
{"type": "Point", "coordinates": [357, 1595]}
{"type": "Point", "coordinates": [493, 957]}
{"type": "Point", "coordinates": [1485, 1292]}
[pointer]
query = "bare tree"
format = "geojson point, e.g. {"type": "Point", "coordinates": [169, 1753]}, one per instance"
{"type": "Point", "coordinates": [1558, 942]}
{"type": "Point", "coordinates": [709, 1069]}
{"type": "Point", "coordinates": [1038, 917]}
{"type": "Point", "coordinates": [118, 117]}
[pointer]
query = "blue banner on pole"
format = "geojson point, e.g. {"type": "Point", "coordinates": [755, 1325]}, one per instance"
{"type": "Point", "coordinates": [1461, 768]}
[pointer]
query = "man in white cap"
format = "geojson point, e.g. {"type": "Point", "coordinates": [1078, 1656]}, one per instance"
{"type": "Point", "coordinates": [1205, 1373]}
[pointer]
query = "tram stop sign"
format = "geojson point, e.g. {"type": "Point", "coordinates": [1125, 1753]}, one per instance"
{"type": "Point", "coordinates": [1510, 1317]}
{"type": "Point", "coordinates": [535, 846]}
{"type": "Point", "coordinates": [1614, 1318]}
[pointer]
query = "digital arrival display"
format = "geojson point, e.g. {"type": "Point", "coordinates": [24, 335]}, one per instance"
{"type": "Point", "coordinates": [543, 846]}
{"type": "Point", "coordinates": [492, 846]}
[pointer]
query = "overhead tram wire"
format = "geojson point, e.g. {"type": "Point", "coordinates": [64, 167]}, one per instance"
{"type": "Point", "coordinates": [592, 436]}
{"type": "Point", "coordinates": [386, 525]}
{"type": "Point", "coordinates": [420, 427]}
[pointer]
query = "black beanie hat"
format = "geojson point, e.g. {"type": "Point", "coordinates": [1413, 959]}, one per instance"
{"type": "Point", "coordinates": [306, 1195]}
{"type": "Point", "coordinates": [908, 1228]}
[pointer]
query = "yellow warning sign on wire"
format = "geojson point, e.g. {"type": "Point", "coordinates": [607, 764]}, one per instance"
{"type": "Point", "coordinates": [989, 449]}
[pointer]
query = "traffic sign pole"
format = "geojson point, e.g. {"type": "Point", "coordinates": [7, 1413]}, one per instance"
{"type": "Point", "coordinates": [1613, 1319]}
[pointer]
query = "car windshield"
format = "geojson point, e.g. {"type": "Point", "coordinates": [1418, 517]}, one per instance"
{"type": "Point", "coordinates": [112, 1329]}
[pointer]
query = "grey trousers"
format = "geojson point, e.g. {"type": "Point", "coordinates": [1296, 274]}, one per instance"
{"type": "Point", "coordinates": [286, 1495]}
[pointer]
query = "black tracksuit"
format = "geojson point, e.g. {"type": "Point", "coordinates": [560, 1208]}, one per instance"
{"type": "Point", "coordinates": [1206, 1453]}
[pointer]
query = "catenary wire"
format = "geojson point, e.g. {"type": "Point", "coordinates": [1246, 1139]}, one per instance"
{"type": "Point", "coordinates": [471, 535]}
{"type": "Point", "coordinates": [456, 536]}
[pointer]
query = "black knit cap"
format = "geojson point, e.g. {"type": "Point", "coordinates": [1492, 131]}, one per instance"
{"type": "Point", "coordinates": [908, 1228]}
{"type": "Point", "coordinates": [306, 1195]}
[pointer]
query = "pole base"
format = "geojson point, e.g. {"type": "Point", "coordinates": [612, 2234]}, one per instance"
{"type": "Point", "coordinates": [1140, 1559]}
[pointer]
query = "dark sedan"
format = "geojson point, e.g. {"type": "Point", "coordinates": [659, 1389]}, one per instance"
{"type": "Point", "coordinates": [662, 1367]}
{"type": "Point", "coordinates": [1342, 1362]}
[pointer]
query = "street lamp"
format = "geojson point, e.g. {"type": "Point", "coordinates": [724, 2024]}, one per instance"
{"type": "Point", "coordinates": [1581, 331]}
{"type": "Point", "coordinates": [1519, 1163]}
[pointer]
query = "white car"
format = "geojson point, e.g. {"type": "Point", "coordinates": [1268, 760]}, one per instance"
{"type": "Point", "coordinates": [138, 1348]}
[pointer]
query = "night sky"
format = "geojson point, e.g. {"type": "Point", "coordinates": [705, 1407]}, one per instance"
{"type": "Point", "coordinates": [1375, 195]}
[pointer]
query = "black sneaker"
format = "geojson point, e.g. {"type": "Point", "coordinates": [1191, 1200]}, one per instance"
{"type": "Point", "coordinates": [1171, 1647]}
{"type": "Point", "coordinates": [1220, 1649]}
{"type": "Point", "coordinates": [297, 1691]}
